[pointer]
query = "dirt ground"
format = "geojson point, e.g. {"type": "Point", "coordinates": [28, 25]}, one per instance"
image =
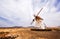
{"type": "Point", "coordinates": [27, 33]}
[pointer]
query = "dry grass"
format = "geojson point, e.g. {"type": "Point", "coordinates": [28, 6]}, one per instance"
{"type": "Point", "coordinates": [26, 33]}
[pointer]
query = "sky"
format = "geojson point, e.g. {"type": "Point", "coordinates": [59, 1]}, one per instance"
{"type": "Point", "coordinates": [20, 12]}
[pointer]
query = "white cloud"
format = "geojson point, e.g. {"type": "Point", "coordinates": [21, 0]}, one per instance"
{"type": "Point", "coordinates": [20, 12]}
{"type": "Point", "coordinates": [16, 11]}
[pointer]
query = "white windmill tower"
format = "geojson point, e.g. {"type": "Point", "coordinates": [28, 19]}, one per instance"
{"type": "Point", "coordinates": [39, 21]}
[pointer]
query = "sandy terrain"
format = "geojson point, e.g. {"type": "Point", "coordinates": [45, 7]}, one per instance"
{"type": "Point", "coordinates": [27, 33]}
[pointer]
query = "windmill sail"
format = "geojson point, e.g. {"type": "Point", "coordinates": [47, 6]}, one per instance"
{"type": "Point", "coordinates": [37, 15]}
{"type": "Point", "coordinates": [39, 11]}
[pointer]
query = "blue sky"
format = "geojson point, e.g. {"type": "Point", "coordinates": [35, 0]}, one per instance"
{"type": "Point", "coordinates": [20, 12]}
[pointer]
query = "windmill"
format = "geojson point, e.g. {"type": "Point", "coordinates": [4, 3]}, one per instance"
{"type": "Point", "coordinates": [38, 20]}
